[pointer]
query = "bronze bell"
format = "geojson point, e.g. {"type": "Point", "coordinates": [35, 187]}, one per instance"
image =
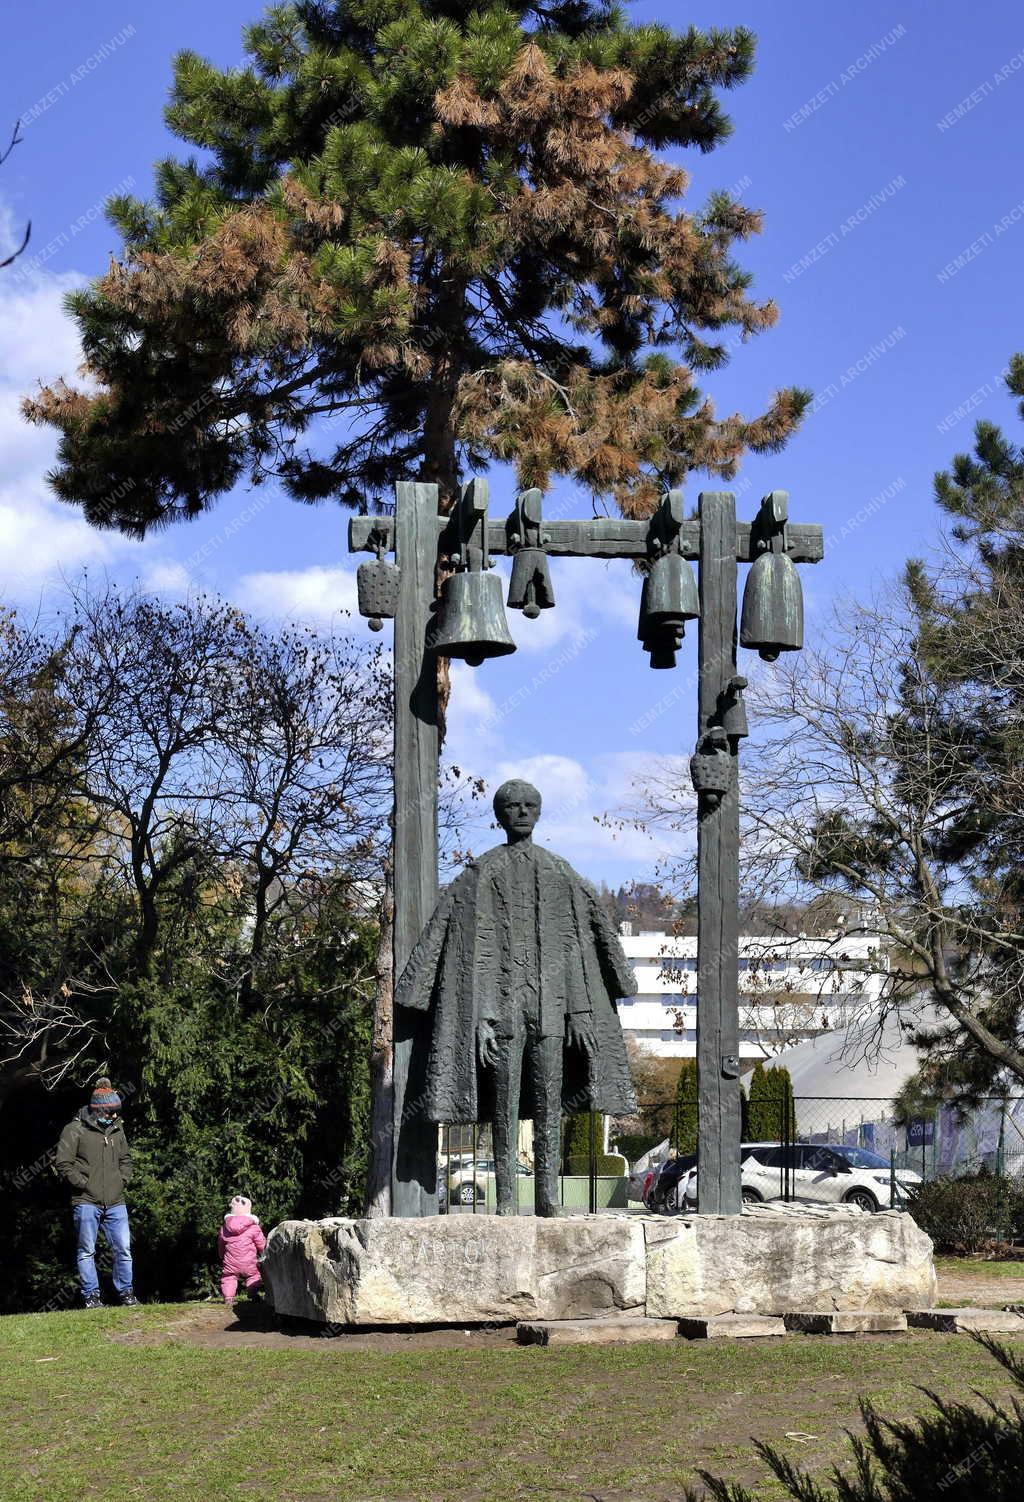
{"type": "Point", "coordinates": [773, 607]}
{"type": "Point", "coordinates": [530, 589]}
{"type": "Point", "coordinates": [668, 600]}
{"type": "Point", "coordinates": [732, 712]}
{"type": "Point", "coordinates": [377, 591]}
{"type": "Point", "coordinates": [470, 621]}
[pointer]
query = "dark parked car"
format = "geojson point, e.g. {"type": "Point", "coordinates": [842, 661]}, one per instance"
{"type": "Point", "coordinates": [665, 1194]}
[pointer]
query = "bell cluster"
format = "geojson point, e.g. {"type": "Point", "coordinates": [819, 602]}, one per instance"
{"type": "Point", "coordinates": [470, 623]}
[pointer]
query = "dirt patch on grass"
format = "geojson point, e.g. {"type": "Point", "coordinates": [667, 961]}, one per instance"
{"type": "Point", "coordinates": [213, 1327]}
{"type": "Point", "coordinates": [958, 1288]}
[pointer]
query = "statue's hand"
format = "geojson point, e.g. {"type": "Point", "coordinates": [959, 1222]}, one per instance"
{"type": "Point", "coordinates": [487, 1043]}
{"type": "Point", "coordinates": [579, 1033]}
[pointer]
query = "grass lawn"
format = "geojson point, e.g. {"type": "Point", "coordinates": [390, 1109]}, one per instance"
{"type": "Point", "coordinates": [978, 1267]}
{"type": "Point", "coordinates": [132, 1404]}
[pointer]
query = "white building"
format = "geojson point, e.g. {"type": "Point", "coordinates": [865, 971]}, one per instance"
{"type": "Point", "coordinates": [790, 989]}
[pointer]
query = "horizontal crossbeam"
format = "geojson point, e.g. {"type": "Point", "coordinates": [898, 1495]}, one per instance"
{"type": "Point", "coordinates": [599, 537]}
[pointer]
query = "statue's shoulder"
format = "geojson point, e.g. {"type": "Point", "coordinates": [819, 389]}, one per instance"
{"type": "Point", "coordinates": [561, 865]}
{"type": "Point", "coordinates": [497, 856]}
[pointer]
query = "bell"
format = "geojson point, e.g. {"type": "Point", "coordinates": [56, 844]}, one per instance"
{"type": "Point", "coordinates": [642, 630]}
{"type": "Point", "coordinates": [669, 598]}
{"type": "Point", "coordinates": [672, 591]}
{"type": "Point", "coordinates": [530, 589]}
{"type": "Point", "coordinates": [772, 620]}
{"type": "Point", "coordinates": [377, 591]}
{"type": "Point", "coordinates": [732, 711]}
{"type": "Point", "coordinates": [470, 621]}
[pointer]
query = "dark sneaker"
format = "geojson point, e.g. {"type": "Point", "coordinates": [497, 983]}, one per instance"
{"type": "Point", "coordinates": [92, 1301]}
{"type": "Point", "coordinates": [128, 1299]}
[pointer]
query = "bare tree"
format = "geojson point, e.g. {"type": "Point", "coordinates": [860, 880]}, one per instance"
{"type": "Point", "coordinates": [852, 784]}
{"type": "Point", "coordinates": [164, 756]}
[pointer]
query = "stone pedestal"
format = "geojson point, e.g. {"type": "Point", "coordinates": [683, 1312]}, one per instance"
{"type": "Point", "coordinates": [480, 1269]}
{"type": "Point", "coordinates": [778, 1264]}
{"type": "Point", "coordinates": [455, 1270]}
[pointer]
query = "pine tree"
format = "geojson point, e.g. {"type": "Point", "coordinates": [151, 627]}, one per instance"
{"type": "Point", "coordinates": [443, 226]}
{"type": "Point", "coordinates": [780, 1087]}
{"type": "Point", "coordinates": [684, 1120]}
{"type": "Point", "coordinates": [762, 1117]}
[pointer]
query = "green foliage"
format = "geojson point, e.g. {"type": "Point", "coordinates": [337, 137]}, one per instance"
{"type": "Point", "coordinates": [782, 1085]}
{"type": "Point", "coordinates": [684, 1119]}
{"type": "Point", "coordinates": [446, 225]}
{"type": "Point", "coordinates": [762, 1117]}
{"type": "Point", "coordinates": [605, 1163]}
{"type": "Point", "coordinates": [770, 1110]}
{"type": "Point", "coordinates": [955, 1451]}
{"type": "Point", "coordinates": [966, 1215]}
{"type": "Point", "coordinates": [236, 1017]}
{"type": "Point", "coordinates": [577, 1134]}
{"type": "Point", "coordinates": [228, 1098]}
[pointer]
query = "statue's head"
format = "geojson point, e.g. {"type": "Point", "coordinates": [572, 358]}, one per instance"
{"type": "Point", "coordinates": [517, 808]}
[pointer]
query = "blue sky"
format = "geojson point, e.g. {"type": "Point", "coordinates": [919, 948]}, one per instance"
{"type": "Point", "coordinates": [882, 142]}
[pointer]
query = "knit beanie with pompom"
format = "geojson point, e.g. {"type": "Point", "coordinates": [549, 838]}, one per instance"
{"type": "Point", "coordinates": [105, 1098]}
{"type": "Point", "coordinates": [240, 1205]}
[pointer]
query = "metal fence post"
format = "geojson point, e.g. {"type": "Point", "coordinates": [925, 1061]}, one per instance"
{"type": "Point", "coordinates": [592, 1165]}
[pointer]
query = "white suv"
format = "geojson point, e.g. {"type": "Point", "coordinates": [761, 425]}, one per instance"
{"type": "Point", "coordinates": [818, 1173]}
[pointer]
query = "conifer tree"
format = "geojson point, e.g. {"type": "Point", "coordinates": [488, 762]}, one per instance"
{"type": "Point", "coordinates": [781, 1091]}
{"type": "Point", "coordinates": [443, 227]}
{"type": "Point", "coordinates": [684, 1120]}
{"type": "Point", "coordinates": [762, 1119]}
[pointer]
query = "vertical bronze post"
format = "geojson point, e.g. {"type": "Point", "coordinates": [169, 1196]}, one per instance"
{"type": "Point", "coordinates": [718, 831]}
{"type": "Point", "coordinates": [414, 1175]}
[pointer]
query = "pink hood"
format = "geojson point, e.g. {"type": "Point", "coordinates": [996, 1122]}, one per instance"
{"type": "Point", "coordinates": [240, 1242]}
{"type": "Point", "coordinates": [235, 1225]}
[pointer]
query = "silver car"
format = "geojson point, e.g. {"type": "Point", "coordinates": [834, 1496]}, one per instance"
{"type": "Point", "coordinates": [818, 1173]}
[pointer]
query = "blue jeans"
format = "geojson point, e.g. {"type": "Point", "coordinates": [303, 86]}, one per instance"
{"type": "Point", "coordinates": [113, 1221]}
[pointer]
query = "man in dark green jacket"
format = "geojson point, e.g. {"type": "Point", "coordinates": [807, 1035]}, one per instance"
{"type": "Point", "coordinates": [93, 1157]}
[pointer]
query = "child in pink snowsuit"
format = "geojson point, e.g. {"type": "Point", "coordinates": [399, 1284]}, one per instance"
{"type": "Point", "coordinates": [239, 1243]}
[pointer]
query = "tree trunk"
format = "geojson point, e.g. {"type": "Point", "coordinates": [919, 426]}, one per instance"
{"type": "Point", "coordinates": [378, 1182]}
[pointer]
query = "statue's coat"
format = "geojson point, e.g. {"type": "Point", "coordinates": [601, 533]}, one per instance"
{"type": "Point", "coordinates": [460, 971]}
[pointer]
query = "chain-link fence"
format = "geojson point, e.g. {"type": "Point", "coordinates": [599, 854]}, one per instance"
{"type": "Point", "coordinates": [814, 1149]}
{"type": "Point", "coordinates": [855, 1150]}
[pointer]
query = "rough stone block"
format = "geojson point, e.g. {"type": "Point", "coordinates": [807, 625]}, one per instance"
{"type": "Point", "coordinates": [846, 1322]}
{"type": "Point", "coordinates": [781, 1264]}
{"type": "Point", "coordinates": [459, 1269]}
{"type": "Point", "coordinates": [475, 1269]}
{"type": "Point", "coordinates": [730, 1327]}
{"type": "Point", "coordinates": [958, 1321]}
{"type": "Point", "coordinates": [602, 1331]}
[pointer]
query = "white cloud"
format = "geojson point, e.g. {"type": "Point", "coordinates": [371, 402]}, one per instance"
{"type": "Point", "coordinates": [471, 719]}
{"type": "Point", "coordinates": [39, 340]}
{"type": "Point", "coordinates": [585, 601]}
{"type": "Point", "coordinates": [165, 577]}
{"type": "Point", "coordinates": [585, 814]}
{"type": "Point", "coordinates": [311, 596]}
{"type": "Point", "coordinates": [40, 537]}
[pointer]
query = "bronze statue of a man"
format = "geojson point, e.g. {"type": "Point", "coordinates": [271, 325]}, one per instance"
{"type": "Point", "coordinates": [521, 970]}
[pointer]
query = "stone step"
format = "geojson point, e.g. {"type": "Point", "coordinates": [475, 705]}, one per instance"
{"type": "Point", "coordinates": [594, 1332]}
{"type": "Point", "coordinates": [958, 1321]}
{"type": "Point", "coordinates": [846, 1321]}
{"type": "Point", "coordinates": [731, 1327]}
